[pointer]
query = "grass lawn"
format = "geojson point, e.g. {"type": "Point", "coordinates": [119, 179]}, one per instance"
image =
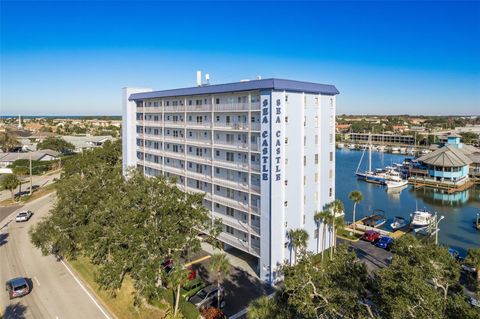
{"type": "Point", "coordinates": [122, 305]}
{"type": "Point", "coordinates": [347, 234]}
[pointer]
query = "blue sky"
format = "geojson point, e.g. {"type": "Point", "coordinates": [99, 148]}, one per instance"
{"type": "Point", "coordinates": [73, 58]}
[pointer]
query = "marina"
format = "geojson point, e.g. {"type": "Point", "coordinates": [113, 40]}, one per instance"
{"type": "Point", "coordinates": [458, 228]}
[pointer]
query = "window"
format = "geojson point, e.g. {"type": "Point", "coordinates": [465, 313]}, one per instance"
{"type": "Point", "coordinates": [330, 174]}
{"type": "Point", "coordinates": [227, 119]}
{"type": "Point", "coordinates": [330, 192]}
{"type": "Point", "coordinates": [286, 119]}
{"type": "Point", "coordinates": [286, 182]}
{"type": "Point", "coordinates": [218, 188]}
{"type": "Point", "coordinates": [286, 97]}
{"type": "Point", "coordinates": [316, 177]}
{"type": "Point", "coordinates": [316, 158]}
{"type": "Point", "coordinates": [316, 121]}
{"type": "Point", "coordinates": [229, 229]}
{"type": "Point", "coordinates": [230, 211]}
{"type": "Point", "coordinates": [331, 156]}
{"type": "Point", "coordinates": [304, 161]}
{"type": "Point", "coordinates": [285, 203]}
{"type": "Point", "coordinates": [286, 161]}
{"type": "Point", "coordinates": [304, 180]}
{"type": "Point", "coordinates": [217, 170]}
{"type": "Point", "coordinates": [286, 140]}
{"type": "Point", "coordinates": [190, 102]}
{"type": "Point", "coordinates": [230, 156]}
{"type": "Point", "coordinates": [330, 138]}
{"type": "Point", "coordinates": [304, 140]}
{"type": "Point", "coordinates": [304, 121]}
{"type": "Point", "coordinates": [217, 101]}
{"type": "Point", "coordinates": [316, 139]}
{"type": "Point", "coordinates": [316, 100]}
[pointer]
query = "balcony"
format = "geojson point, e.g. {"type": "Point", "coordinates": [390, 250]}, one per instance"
{"type": "Point", "coordinates": [199, 159]}
{"type": "Point", "coordinates": [173, 169]}
{"type": "Point", "coordinates": [242, 186]}
{"type": "Point", "coordinates": [150, 150]}
{"type": "Point", "coordinates": [199, 108]}
{"type": "Point", "coordinates": [255, 167]}
{"type": "Point", "coordinates": [231, 146]}
{"type": "Point", "coordinates": [255, 189]}
{"type": "Point", "coordinates": [174, 124]}
{"type": "Point", "coordinates": [237, 223]}
{"type": "Point", "coordinates": [152, 123]}
{"type": "Point", "coordinates": [233, 165]}
{"type": "Point", "coordinates": [199, 141]}
{"type": "Point", "coordinates": [171, 154]}
{"type": "Point", "coordinates": [231, 203]}
{"type": "Point", "coordinates": [238, 243]}
{"type": "Point", "coordinates": [173, 139]}
{"type": "Point", "coordinates": [204, 125]}
{"type": "Point", "coordinates": [255, 126]}
{"type": "Point", "coordinates": [200, 176]}
{"type": "Point", "coordinates": [231, 126]}
{"type": "Point", "coordinates": [232, 107]}
{"type": "Point", "coordinates": [153, 137]}
{"type": "Point", "coordinates": [254, 147]}
{"type": "Point", "coordinates": [256, 106]}
{"type": "Point", "coordinates": [139, 109]}
{"type": "Point", "coordinates": [174, 108]}
{"type": "Point", "coordinates": [152, 109]}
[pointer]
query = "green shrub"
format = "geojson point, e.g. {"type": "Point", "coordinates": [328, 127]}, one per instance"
{"type": "Point", "coordinates": [188, 310]}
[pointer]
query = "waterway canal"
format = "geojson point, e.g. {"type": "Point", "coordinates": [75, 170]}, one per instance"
{"type": "Point", "coordinates": [459, 209]}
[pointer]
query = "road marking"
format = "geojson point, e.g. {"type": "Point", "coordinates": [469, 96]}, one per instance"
{"type": "Point", "coordinates": [86, 291]}
{"type": "Point", "coordinates": [38, 282]}
{"type": "Point", "coordinates": [196, 261]}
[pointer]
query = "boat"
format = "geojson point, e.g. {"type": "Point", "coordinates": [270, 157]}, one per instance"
{"type": "Point", "coordinates": [340, 145]}
{"type": "Point", "coordinates": [351, 146]}
{"type": "Point", "coordinates": [425, 151]}
{"type": "Point", "coordinates": [381, 148]}
{"type": "Point", "coordinates": [421, 218]}
{"type": "Point", "coordinates": [396, 184]}
{"type": "Point", "coordinates": [393, 179]}
{"type": "Point", "coordinates": [399, 222]}
{"type": "Point", "coordinates": [396, 150]}
{"type": "Point", "coordinates": [476, 222]}
{"type": "Point", "coordinates": [378, 176]}
{"type": "Point", "coordinates": [376, 219]}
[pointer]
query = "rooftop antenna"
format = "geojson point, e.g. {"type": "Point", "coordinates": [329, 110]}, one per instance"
{"type": "Point", "coordinates": [207, 79]}
{"type": "Point", "coordinates": [199, 78]}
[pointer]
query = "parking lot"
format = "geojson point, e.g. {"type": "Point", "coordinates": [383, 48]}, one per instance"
{"type": "Point", "coordinates": [373, 257]}
{"type": "Point", "coordinates": [240, 287]}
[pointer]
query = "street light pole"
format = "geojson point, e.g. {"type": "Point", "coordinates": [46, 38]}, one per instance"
{"type": "Point", "coordinates": [437, 221]}
{"type": "Point", "coordinates": [31, 184]}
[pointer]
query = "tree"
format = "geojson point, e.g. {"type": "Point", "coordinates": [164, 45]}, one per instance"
{"type": "Point", "coordinates": [56, 144]}
{"type": "Point", "coordinates": [10, 182]}
{"type": "Point", "coordinates": [124, 226]}
{"type": "Point", "coordinates": [336, 207]}
{"type": "Point", "coordinates": [473, 259]}
{"type": "Point", "coordinates": [326, 290]}
{"type": "Point", "coordinates": [298, 241]}
{"type": "Point", "coordinates": [220, 266]}
{"type": "Point", "coordinates": [355, 196]}
{"type": "Point", "coordinates": [177, 277]}
{"type": "Point", "coordinates": [8, 141]}
{"type": "Point", "coordinates": [20, 171]}
{"type": "Point", "coordinates": [319, 219]}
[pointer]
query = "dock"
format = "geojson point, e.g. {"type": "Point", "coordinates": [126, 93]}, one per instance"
{"type": "Point", "coordinates": [448, 187]}
{"type": "Point", "coordinates": [361, 227]}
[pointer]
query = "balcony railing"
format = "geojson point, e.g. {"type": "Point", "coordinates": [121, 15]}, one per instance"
{"type": "Point", "coordinates": [198, 141]}
{"type": "Point", "coordinates": [174, 108]}
{"type": "Point", "coordinates": [231, 126]}
{"type": "Point", "coordinates": [174, 124]}
{"type": "Point", "coordinates": [237, 223]}
{"type": "Point", "coordinates": [152, 109]}
{"type": "Point", "coordinates": [232, 107]}
{"type": "Point", "coordinates": [174, 139]}
{"type": "Point", "coordinates": [235, 165]}
{"type": "Point", "coordinates": [243, 186]}
{"type": "Point", "coordinates": [152, 123]}
{"type": "Point", "coordinates": [152, 137]}
{"type": "Point", "coordinates": [238, 243]}
{"type": "Point", "coordinates": [231, 202]}
{"type": "Point", "coordinates": [199, 108]}
{"type": "Point", "coordinates": [201, 159]}
{"type": "Point", "coordinates": [227, 145]}
{"type": "Point", "coordinates": [200, 176]}
{"type": "Point", "coordinates": [255, 126]}
{"type": "Point", "coordinates": [197, 124]}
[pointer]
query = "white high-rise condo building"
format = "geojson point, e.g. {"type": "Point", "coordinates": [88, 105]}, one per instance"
{"type": "Point", "coordinates": [262, 151]}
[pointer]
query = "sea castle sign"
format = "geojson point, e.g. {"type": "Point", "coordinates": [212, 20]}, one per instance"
{"type": "Point", "coordinates": [271, 143]}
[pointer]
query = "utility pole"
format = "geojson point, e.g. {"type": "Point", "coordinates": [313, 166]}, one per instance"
{"type": "Point", "coordinates": [31, 184]}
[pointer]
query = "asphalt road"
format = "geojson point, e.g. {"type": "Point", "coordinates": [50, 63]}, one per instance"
{"type": "Point", "coordinates": [373, 257]}
{"type": "Point", "coordinates": [56, 293]}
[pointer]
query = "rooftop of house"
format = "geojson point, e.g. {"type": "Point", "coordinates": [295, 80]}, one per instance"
{"type": "Point", "coordinates": [37, 155]}
{"type": "Point", "coordinates": [450, 156]}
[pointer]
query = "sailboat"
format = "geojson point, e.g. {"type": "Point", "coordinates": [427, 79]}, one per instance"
{"type": "Point", "coordinates": [377, 177]}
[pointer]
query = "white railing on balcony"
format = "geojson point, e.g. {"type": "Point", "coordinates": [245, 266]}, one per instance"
{"type": "Point", "coordinates": [152, 150]}
{"type": "Point", "coordinates": [254, 147]}
{"type": "Point", "coordinates": [152, 109]}
{"type": "Point", "coordinates": [240, 205]}
{"type": "Point", "coordinates": [200, 176]}
{"type": "Point", "coordinates": [255, 188]}
{"type": "Point", "coordinates": [200, 159]}
{"type": "Point", "coordinates": [199, 108]}
{"type": "Point", "coordinates": [243, 186]}
{"type": "Point", "coordinates": [139, 109]}
{"type": "Point", "coordinates": [153, 136]}
{"type": "Point", "coordinates": [256, 106]}
{"type": "Point", "coordinates": [196, 124]}
{"type": "Point", "coordinates": [231, 126]}
{"type": "Point", "coordinates": [173, 139]}
{"type": "Point", "coordinates": [199, 141]}
{"type": "Point", "coordinates": [173, 169]}
{"type": "Point", "coordinates": [238, 243]}
{"type": "Point", "coordinates": [231, 107]}
{"type": "Point", "coordinates": [235, 146]}
{"type": "Point", "coordinates": [234, 165]}
{"type": "Point", "coordinates": [174, 124]}
{"type": "Point", "coordinates": [237, 223]}
{"type": "Point", "coordinates": [174, 108]}
{"type": "Point", "coordinates": [255, 167]}
{"type": "Point", "coordinates": [177, 155]}
{"type": "Point", "coordinates": [152, 123]}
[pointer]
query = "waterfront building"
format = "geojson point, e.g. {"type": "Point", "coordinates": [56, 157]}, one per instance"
{"type": "Point", "coordinates": [262, 152]}
{"type": "Point", "coordinates": [454, 166]}
{"type": "Point", "coordinates": [379, 138]}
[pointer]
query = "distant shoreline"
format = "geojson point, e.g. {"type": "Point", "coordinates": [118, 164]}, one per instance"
{"type": "Point", "coordinates": [110, 117]}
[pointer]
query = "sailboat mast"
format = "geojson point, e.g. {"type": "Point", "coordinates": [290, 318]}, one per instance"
{"type": "Point", "coordinates": [370, 152]}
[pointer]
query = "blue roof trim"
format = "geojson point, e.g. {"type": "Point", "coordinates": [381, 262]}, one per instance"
{"type": "Point", "coordinates": [275, 84]}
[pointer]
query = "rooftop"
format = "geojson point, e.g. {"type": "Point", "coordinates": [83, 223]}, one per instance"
{"type": "Point", "coordinates": [37, 155]}
{"type": "Point", "coordinates": [275, 84]}
{"type": "Point", "coordinates": [447, 156]}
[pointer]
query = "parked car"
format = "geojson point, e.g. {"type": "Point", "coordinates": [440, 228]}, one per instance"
{"type": "Point", "coordinates": [17, 287]}
{"type": "Point", "coordinates": [192, 287]}
{"type": "Point", "coordinates": [371, 236]}
{"type": "Point", "coordinates": [207, 297]}
{"type": "Point", "coordinates": [384, 242]}
{"type": "Point", "coordinates": [23, 216]}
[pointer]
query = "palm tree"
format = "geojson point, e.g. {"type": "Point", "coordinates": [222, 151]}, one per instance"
{"type": "Point", "coordinates": [321, 218]}
{"type": "Point", "coordinates": [355, 196]}
{"type": "Point", "coordinates": [221, 267]}
{"type": "Point", "coordinates": [336, 208]}
{"type": "Point", "coordinates": [298, 240]}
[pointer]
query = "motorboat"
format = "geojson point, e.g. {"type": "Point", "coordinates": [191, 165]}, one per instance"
{"type": "Point", "coordinates": [399, 222]}
{"type": "Point", "coordinates": [340, 145]}
{"type": "Point", "coordinates": [396, 184]}
{"type": "Point", "coordinates": [381, 148]}
{"type": "Point", "coordinates": [425, 151]}
{"type": "Point", "coordinates": [376, 219]}
{"type": "Point", "coordinates": [351, 146]}
{"type": "Point", "coordinates": [421, 218]}
{"type": "Point", "coordinates": [396, 150]}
